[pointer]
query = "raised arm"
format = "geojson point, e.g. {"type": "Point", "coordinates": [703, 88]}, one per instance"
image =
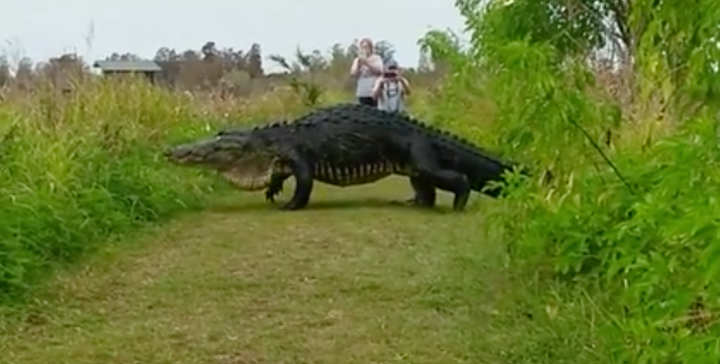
{"type": "Point", "coordinates": [355, 67]}
{"type": "Point", "coordinates": [375, 65]}
{"type": "Point", "coordinates": [405, 85]}
{"type": "Point", "coordinates": [377, 88]}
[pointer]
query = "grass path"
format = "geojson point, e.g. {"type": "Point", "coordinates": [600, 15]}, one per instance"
{"type": "Point", "coordinates": [350, 280]}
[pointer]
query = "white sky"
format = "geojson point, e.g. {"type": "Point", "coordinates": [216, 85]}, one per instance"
{"type": "Point", "coordinates": [41, 29]}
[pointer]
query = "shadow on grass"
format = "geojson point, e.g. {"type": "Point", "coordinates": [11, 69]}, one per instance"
{"type": "Point", "coordinates": [239, 206]}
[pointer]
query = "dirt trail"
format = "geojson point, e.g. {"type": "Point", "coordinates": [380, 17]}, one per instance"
{"type": "Point", "coordinates": [350, 280]}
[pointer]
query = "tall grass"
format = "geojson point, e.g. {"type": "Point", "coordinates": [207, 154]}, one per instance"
{"type": "Point", "coordinates": [76, 169]}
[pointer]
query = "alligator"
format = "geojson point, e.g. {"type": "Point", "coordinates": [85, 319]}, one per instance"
{"type": "Point", "coordinates": [345, 145]}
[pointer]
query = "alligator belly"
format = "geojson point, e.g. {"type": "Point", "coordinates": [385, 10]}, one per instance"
{"type": "Point", "coordinates": [350, 176]}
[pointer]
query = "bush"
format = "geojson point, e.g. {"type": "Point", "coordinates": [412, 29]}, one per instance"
{"type": "Point", "coordinates": [620, 205]}
{"type": "Point", "coordinates": [76, 169]}
{"type": "Point", "coordinates": [650, 251]}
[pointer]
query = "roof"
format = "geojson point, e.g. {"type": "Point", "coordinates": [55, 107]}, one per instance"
{"type": "Point", "coordinates": [141, 66]}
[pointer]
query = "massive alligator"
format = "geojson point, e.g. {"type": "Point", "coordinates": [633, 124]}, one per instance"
{"type": "Point", "coordinates": [345, 145]}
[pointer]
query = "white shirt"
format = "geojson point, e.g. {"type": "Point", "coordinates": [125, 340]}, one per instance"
{"type": "Point", "coordinates": [392, 94]}
{"type": "Point", "coordinates": [365, 79]}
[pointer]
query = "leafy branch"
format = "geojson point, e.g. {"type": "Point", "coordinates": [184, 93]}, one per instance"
{"type": "Point", "coordinates": [310, 92]}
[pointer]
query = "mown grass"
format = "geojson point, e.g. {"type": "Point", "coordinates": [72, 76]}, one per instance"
{"type": "Point", "coordinates": [352, 279]}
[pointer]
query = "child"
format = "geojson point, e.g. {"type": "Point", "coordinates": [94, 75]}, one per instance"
{"type": "Point", "coordinates": [391, 89]}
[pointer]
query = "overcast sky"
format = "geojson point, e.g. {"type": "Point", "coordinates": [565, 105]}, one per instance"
{"type": "Point", "coordinates": [43, 28]}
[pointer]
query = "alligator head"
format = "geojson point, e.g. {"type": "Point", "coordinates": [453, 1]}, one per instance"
{"type": "Point", "coordinates": [244, 159]}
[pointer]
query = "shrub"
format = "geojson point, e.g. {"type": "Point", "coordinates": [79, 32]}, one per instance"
{"type": "Point", "coordinates": [634, 223]}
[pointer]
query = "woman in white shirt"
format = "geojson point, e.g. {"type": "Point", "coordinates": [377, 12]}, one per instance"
{"type": "Point", "coordinates": [367, 67]}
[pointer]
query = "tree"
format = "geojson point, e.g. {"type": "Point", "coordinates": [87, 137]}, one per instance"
{"type": "Point", "coordinates": [254, 61]}
{"type": "Point", "coordinates": [123, 57]}
{"type": "Point", "coordinates": [208, 51]}
{"type": "Point", "coordinates": [425, 63]}
{"type": "Point", "coordinates": [5, 73]}
{"type": "Point", "coordinates": [165, 54]}
{"type": "Point", "coordinates": [24, 73]}
{"type": "Point", "coordinates": [384, 49]}
{"type": "Point", "coordinates": [305, 65]}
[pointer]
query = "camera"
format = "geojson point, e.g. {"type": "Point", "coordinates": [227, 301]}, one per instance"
{"type": "Point", "coordinates": [389, 74]}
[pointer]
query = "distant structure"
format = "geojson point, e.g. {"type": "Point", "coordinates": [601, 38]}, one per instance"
{"type": "Point", "coordinates": [149, 69]}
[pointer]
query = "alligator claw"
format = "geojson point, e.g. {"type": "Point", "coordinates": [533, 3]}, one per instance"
{"type": "Point", "coordinates": [409, 202]}
{"type": "Point", "coordinates": [290, 206]}
{"type": "Point", "coordinates": [274, 189]}
{"type": "Point", "coordinates": [270, 195]}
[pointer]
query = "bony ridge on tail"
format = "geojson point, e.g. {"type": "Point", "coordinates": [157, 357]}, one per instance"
{"type": "Point", "coordinates": [346, 145]}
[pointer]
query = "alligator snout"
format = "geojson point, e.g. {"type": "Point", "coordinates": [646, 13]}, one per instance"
{"type": "Point", "coordinates": [172, 153]}
{"type": "Point", "coordinates": [177, 154]}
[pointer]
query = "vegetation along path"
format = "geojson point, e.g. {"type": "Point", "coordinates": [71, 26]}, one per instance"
{"type": "Point", "coordinates": [352, 279]}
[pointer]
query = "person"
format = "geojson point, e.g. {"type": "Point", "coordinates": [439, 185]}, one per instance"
{"type": "Point", "coordinates": [391, 89]}
{"type": "Point", "coordinates": [367, 67]}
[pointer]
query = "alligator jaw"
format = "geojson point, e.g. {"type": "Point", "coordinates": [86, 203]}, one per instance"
{"type": "Point", "coordinates": [247, 168]}
{"type": "Point", "coordinates": [181, 154]}
{"type": "Point", "coordinates": [248, 180]}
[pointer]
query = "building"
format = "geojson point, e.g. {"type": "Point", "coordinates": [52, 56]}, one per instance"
{"type": "Point", "coordinates": [149, 69]}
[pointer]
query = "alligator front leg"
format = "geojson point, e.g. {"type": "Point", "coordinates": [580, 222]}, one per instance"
{"type": "Point", "coordinates": [275, 186]}
{"type": "Point", "coordinates": [302, 172]}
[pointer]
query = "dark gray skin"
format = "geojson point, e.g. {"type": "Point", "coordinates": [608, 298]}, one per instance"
{"type": "Point", "coordinates": [346, 145]}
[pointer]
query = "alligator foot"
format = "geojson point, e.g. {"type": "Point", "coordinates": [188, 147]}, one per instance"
{"type": "Point", "coordinates": [461, 200]}
{"type": "Point", "coordinates": [294, 204]}
{"type": "Point", "coordinates": [271, 193]}
{"type": "Point", "coordinates": [303, 187]}
{"type": "Point", "coordinates": [408, 202]}
{"type": "Point", "coordinates": [290, 206]}
{"type": "Point", "coordinates": [274, 188]}
{"type": "Point", "coordinates": [413, 202]}
{"type": "Point", "coordinates": [424, 193]}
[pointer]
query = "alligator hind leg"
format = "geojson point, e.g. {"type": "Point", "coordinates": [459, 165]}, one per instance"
{"type": "Point", "coordinates": [456, 183]}
{"type": "Point", "coordinates": [425, 163]}
{"type": "Point", "coordinates": [425, 195]}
